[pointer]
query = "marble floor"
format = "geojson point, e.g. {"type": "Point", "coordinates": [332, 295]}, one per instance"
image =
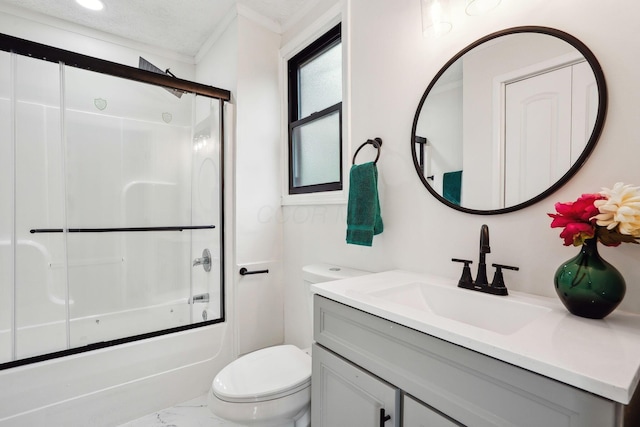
{"type": "Point", "coordinates": [193, 413]}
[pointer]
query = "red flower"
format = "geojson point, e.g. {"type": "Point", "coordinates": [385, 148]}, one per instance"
{"type": "Point", "coordinates": [576, 218]}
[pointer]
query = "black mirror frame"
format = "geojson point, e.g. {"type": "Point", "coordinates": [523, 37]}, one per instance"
{"type": "Point", "coordinates": [591, 143]}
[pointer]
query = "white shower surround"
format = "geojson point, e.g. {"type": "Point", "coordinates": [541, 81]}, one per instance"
{"type": "Point", "coordinates": [127, 161]}
{"type": "Point", "coordinates": [114, 384]}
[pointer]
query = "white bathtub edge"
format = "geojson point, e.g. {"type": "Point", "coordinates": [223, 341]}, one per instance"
{"type": "Point", "coordinates": [108, 386]}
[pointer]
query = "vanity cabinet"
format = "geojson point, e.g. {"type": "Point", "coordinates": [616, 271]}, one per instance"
{"type": "Point", "coordinates": [345, 395]}
{"type": "Point", "coordinates": [363, 363]}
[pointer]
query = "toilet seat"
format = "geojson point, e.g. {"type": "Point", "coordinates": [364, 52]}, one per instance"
{"type": "Point", "coordinates": [266, 374]}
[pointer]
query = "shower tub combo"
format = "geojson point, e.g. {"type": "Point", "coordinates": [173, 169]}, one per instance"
{"type": "Point", "coordinates": [111, 227]}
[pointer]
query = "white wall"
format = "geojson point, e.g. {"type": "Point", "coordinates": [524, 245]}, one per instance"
{"type": "Point", "coordinates": [391, 66]}
{"type": "Point", "coordinates": [218, 66]}
{"type": "Point", "coordinates": [258, 240]}
{"type": "Point", "coordinates": [115, 384]}
{"type": "Point", "coordinates": [245, 59]}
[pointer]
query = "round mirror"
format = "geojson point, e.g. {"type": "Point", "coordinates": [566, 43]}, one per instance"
{"type": "Point", "coordinates": [508, 120]}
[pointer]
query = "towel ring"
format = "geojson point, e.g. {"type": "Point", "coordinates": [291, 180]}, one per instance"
{"type": "Point", "coordinates": [376, 142]}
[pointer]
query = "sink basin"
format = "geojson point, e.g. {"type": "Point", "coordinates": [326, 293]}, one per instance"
{"type": "Point", "coordinates": [503, 315]}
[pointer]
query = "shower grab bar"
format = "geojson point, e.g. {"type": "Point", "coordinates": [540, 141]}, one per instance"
{"type": "Point", "coordinates": [244, 272]}
{"type": "Point", "coordinates": [111, 230]}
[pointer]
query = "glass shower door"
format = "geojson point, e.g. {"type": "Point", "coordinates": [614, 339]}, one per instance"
{"type": "Point", "coordinates": [129, 149]}
{"type": "Point", "coordinates": [6, 210]}
{"type": "Point", "coordinates": [39, 280]}
{"type": "Point", "coordinates": [110, 208]}
{"type": "Point", "coordinates": [206, 209]}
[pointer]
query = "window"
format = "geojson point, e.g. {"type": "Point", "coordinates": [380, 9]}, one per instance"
{"type": "Point", "coordinates": [315, 116]}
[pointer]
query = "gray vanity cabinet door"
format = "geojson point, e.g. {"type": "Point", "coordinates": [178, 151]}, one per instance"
{"type": "Point", "coordinates": [417, 414]}
{"type": "Point", "coordinates": [344, 395]}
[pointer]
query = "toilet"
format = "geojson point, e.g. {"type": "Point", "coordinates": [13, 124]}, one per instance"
{"type": "Point", "coordinates": [271, 387]}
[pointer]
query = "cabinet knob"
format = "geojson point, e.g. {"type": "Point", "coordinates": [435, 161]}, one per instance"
{"type": "Point", "coordinates": [383, 417]}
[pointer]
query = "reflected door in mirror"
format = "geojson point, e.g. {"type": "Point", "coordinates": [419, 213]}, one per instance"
{"type": "Point", "coordinates": [545, 129]}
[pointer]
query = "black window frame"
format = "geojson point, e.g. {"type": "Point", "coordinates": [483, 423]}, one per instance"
{"type": "Point", "coordinates": [315, 49]}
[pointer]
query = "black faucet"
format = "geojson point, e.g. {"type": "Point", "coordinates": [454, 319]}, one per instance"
{"type": "Point", "coordinates": [481, 277]}
{"type": "Point", "coordinates": [497, 286]}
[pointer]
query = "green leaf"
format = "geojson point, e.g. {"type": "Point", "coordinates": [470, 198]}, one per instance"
{"type": "Point", "coordinates": [613, 238]}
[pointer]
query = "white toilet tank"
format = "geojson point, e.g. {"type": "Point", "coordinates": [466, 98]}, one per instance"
{"type": "Point", "coordinates": [318, 273]}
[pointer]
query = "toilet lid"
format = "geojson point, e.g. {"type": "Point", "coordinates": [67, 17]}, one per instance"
{"type": "Point", "coordinates": [264, 374]}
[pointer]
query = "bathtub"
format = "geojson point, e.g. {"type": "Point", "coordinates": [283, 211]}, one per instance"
{"type": "Point", "coordinates": [112, 385]}
{"type": "Point", "coordinates": [44, 338]}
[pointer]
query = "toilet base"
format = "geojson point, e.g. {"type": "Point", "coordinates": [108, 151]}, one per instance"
{"type": "Point", "coordinates": [303, 419]}
{"type": "Point", "coordinates": [291, 411]}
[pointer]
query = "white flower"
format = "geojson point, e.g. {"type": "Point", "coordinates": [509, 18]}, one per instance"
{"type": "Point", "coordinates": [620, 208]}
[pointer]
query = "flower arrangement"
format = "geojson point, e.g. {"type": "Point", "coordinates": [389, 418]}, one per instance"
{"type": "Point", "coordinates": [612, 216]}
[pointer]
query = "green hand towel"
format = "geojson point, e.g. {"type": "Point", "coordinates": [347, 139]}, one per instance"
{"type": "Point", "coordinates": [363, 210]}
{"type": "Point", "coordinates": [452, 186]}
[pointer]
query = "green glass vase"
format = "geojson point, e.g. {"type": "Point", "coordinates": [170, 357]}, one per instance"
{"type": "Point", "coordinates": [589, 286]}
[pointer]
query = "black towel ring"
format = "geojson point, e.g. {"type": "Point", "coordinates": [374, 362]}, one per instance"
{"type": "Point", "coordinates": [376, 142]}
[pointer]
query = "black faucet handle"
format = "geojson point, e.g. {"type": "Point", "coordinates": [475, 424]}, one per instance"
{"type": "Point", "coordinates": [498, 279]}
{"type": "Point", "coordinates": [466, 280]}
{"type": "Point", "coordinates": [506, 267]}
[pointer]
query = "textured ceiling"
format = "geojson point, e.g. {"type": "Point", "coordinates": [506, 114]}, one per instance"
{"type": "Point", "coordinates": [178, 25]}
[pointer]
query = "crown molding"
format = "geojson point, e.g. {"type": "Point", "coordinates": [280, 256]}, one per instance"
{"type": "Point", "coordinates": [221, 27]}
{"type": "Point", "coordinates": [259, 19]}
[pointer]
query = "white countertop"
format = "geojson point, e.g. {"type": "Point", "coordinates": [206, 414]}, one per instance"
{"type": "Point", "coordinates": [599, 356]}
